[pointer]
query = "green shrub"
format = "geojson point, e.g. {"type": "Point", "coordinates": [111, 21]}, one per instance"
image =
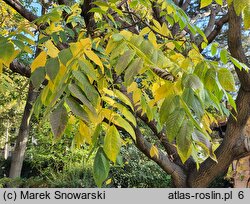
{"type": "Point", "coordinates": [138, 171]}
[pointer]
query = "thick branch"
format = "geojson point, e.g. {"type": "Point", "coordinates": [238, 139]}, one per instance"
{"type": "Point", "coordinates": [164, 161]}
{"type": "Point", "coordinates": [20, 68]}
{"type": "Point", "coordinates": [21, 10]}
{"type": "Point", "coordinates": [169, 148]}
{"type": "Point", "coordinates": [218, 26]}
{"type": "Point", "coordinates": [178, 175]}
{"type": "Point", "coordinates": [233, 145]}
{"type": "Point", "coordinates": [235, 47]}
{"type": "Point", "coordinates": [88, 16]}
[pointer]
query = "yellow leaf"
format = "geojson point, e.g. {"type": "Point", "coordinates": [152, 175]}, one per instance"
{"type": "Point", "coordinates": [157, 24]}
{"type": "Point", "coordinates": [93, 57]}
{"type": "Point", "coordinates": [154, 151]}
{"type": "Point", "coordinates": [205, 3]}
{"type": "Point", "coordinates": [195, 56]}
{"type": "Point", "coordinates": [72, 120]}
{"type": "Point", "coordinates": [86, 43]}
{"type": "Point", "coordinates": [165, 31]}
{"type": "Point", "coordinates": [145, 31]}
{"type": "Point", "coordinates": [132, 87]}
{"type": "Point", "coordinates": [85, 132]}
{"type": "Point", "coordinates": [170, 9]}
{"type": "Point", "coordinates": [126, 34]}
{"type": "Point", "coordinates": [206, 123]}
{"type": "Point", "coordinates": [76, 48]}
{"type": "Point", "coordinates": [163, 91]}
{"type": "Point", "coordinates": [110, 46]}
{"type": "Point", "coordinates": [185, 64]}
{"type": "Point", "coordinates": [50, 84]}
{"type": "Point", "coordinates": [54, 28]}
{"type": "Point", "coordinates": [137, 95]}
{"type": "Point", "coordinates": [44, 95]}
{"type": "Point", "coordinates": [52, 51]}
{"type": "Point", "coordinates": [39, 61]}
{"type": "Point", "coordinates": [170, 45]}
{"type": "Point", "coordinates": [152, 39]}
{"type": "Point", "coordinates": [1, 68]}
{"type": "Point", "coordinates": [108, 181]}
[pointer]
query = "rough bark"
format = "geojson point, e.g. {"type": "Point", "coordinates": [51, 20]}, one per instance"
{"type": "Point", "coordinates": [23, 135]}
{"type": "Point", "coordinates": [233, 145]}
{"type": "Point", "coordinates": [88, 16]}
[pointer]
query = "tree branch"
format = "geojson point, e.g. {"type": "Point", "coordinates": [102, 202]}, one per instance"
{"type": "Point", "coordinates": [236, 48]}
{"type": "Point", "coordinates": [88, 16]}
{"type": "Point", "coordinates": [211, 22]}
{"type": "Point", "coordinates": [21, 10]}
{"type": "Point", "coordinates": [20, 68]}
{"type": "Point", "coordinates": [157, 12]}
{"type": "Point", "coordinates": [233, 145]}
{"type": "Point", "coordinates": [169, 148]}
{"type": "Point", "coordinates": [179, 177]}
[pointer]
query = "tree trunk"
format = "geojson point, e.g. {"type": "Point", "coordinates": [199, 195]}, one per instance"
{"type": "Point", "coordinates": [23, 135]}
{"type": "Point", "coordinates": [6, 147]}
{"type": "Point", "coordinates": [233, 145]}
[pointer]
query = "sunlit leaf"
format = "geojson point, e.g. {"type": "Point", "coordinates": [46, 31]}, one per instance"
{"type": "Point", "coordinates": [226, 79]}
{"type": "Point", "coordinates": [112, 143]}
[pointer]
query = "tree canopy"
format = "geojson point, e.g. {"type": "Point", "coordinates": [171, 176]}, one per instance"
{"type": "Point", "coordinates": [104, 69]}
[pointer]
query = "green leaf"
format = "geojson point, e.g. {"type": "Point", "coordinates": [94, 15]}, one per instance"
{"type": "Point", "coordinates": [192, 100]}
{"type": "Point", "coordinates": [124, 61]}
{"type": "Point", "coordinates": [121, 108]}
{"type": "Point", "coordinates": [117, 37]}
{"type": "Point", "coordinates": [174, 123]}
{"type": "Point", "coordinates": [210, 79]}
{"type": "Point", "coordinates": [59, 120]}
{"type": "Point", "coordinates": [37, 77]}
{"type": "Point", "coordinates": [88, 69]}
{"type": "Point", "coordinates": [101, 167]}
{"type": "Point", "coordinates": [223, 56]}
{"type": "Point", "coordinates": [226, 79]}
{"type": "Point", "coordinates": [119, 121]}
{"type": "Point", "coordinates": [6, 50]}
{"type": "Point", "coordinates": [112, 143]}
{"type": "Point", "coordinates": [239, 5]}
{"type": "Point", "coordinates": [168, 106]}
{"type": "Point", "coordinates": [183, 140]}
{"type": "Point", "coordinates": [205, 3]}
{"type": "Point", "coordinates": [192, 81]}
{"type": "Point", "coordinates": [204, 142]}
{"type": "Point", "coordinates": [52, 67]}
{"type": "Point", "coordinates": [231, 101]}
{"type": "Point", "coordinates": [65, 56]}
{"type": "Point", "coordinates": [246, 17]}
{"type": "Point", "coordinates": [214, 48]}
{"type": "Point", "coordinates": [77, 109]}
{"type": "Point", "coordinates": [122, 97]}
{"type": "Point", "coordinates": [77, 92]}
{"type": "Point", "coordinates": [87, 88]}
{"type": "Point", "coordinates": [133, 70]}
